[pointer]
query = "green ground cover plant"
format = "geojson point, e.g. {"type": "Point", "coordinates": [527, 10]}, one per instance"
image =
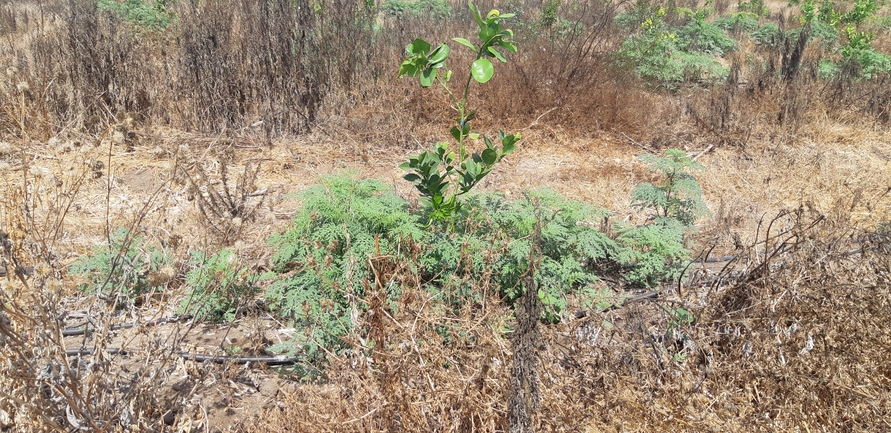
{"type": "Point", "coordinates": [129, 265]}
{"type": "Point", "coordinates": [217, 286]}
{"type": "Point", "coordinates": [657, 248]}
{"type": "Point", "coordinates": [354, 239]}
{"type": "Point", "coordinates": [143, 15]}
{"type": "Point", "coordinates": [843, 29]}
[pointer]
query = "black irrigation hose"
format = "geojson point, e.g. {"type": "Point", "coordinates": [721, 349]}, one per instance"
{"type": "Point", "coordinates": [872, 238]}
{"type": "Point", "coordinates": [26, 271]}
{"type": "Point", "coordinates": [655, 294]}
{"type": "Point", "coordinates": [219, 359]}
{"type": "Point", "coordinates": [68, 332]}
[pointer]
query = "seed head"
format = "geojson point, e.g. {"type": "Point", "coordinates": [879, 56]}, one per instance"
{"type": "Point", "coordinates": [118, 137]}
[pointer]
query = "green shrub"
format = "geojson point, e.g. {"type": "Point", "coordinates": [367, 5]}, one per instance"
{"type": "Point", "coordinates": [674, 204]}
{"type": "Point", "coordinates": [432, 9]}
{"type": "Point", "coordinates": [699, 36]}
{"type": "Point", "coordinates": [349, 230]}
{"type": "Point", "coordinates": [128, 265]}
{"type": "Point", "coordinates": [738, 22]}
{"type": "Point", "coordinates": [321, 263]}
{"type": "Point", "coordinates": [755, 7]}
{"type": "Point", "coordinates": [217, 286]}
{"type": "Point", "coordinates": [658, 54]}
{"type": "Point", "coordinates": [861, 60]}
{"type": "Point", "coordinates": [501, 229]}
{"type": "Point", "coordinates": [449, 171]}
{"type": "Point", "coordinates": [678, 196]}
{"type": "Point", "coordinates": [144, 15]}
{"type": "Point", "coordinates": [825, 32]}
{"type": "Point", "coordinates": [634, 17]}
{"type": "Point", "coordinates": [827, 69]}
{"type": "Point", "coordinates": [555, 26]}
{"type": "Point", "coordinates": [768, 35]}
{"type": "Point", "coordinates": [651, 253]}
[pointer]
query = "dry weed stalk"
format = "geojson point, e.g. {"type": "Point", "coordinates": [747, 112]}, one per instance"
{"type": "Point", "coordinates": [224, 208]}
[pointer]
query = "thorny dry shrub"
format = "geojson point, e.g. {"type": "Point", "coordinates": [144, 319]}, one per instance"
{"type": "Point", "coordinates": [775, 91]}
{"type": "Point", "coordinates": [230, 64]}
{"type": "Point", "coordinates": [49, 388]}
{"type": "Point", "coordinates": [224, 204]}
{"type": "Point", "coordinates": [796, 340]}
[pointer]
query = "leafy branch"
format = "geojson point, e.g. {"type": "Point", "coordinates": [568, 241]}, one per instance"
{"type": "Point", "coordinates": [441, 175]}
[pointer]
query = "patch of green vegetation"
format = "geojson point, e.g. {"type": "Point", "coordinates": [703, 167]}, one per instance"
{"type": "Point", "coordinates": [431, 9]}
{"type": "Point", "coordinates": [667, 55]}
{"type": "Point", "coordinates": [353, 238]}
{"type": "Point", "coordinates": [128, 265]}
{"type": "Point", "coordinates": [738, 22]}
{"type": "Point", "coordinates": [217, 286]}
{"type": "Point", "coordinates": [143, 15]}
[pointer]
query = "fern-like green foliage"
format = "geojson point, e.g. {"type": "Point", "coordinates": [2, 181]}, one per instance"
{"type": "Point", "coordinates": [652, 253]}
{"type": "Point", "coordinates": [321, 263]}
{"type": "Point", "coordinates": [490, 247]}
{"type": "Point", "coordinates": [674, 204]}
{"type": "Point", "coordinates": [123, 266]}
{"type": "Point", "coordinates": [218, 285]}
{"type": "Point", "coordinates": [678, 196]}
{"type": "Point", "coordinates": [700, 36]}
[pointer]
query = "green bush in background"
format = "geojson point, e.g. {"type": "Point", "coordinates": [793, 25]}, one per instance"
{"type": "Point", "coordinates": [142, 14]}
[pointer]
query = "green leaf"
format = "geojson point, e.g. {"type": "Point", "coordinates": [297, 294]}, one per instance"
{"type": "Point", "coordinates": [508, 46]}
{"type": "Point", "coordinates": [476, 14]}
{"type": "Point", "coordinates": [482, 70]}
{"type": "Point", "coordinates": [456, 133]}
{"type": "Point", "coordinates": [411, 177]}
{"type": "Point", "coordinates": [508, 147]}
{"type": "Point", "coordinates": [471, 168]}
{"type": "Point", "coordinates": [465, 42]}
{"type": "Point", "coordinates": [418, 47]}
{"type": "Point", "coordinates": [405, 166]}
{"type": "Point", "coordinates": [439, 55]}
{"type": "Point", "coordinates": [505, 16]}
{"type": "Point", "coordinates": [427, 77]}
{"type": "Point", "coordinates": [497, 55]}
{"type": "Point", "coordinates": [487, 32]}
{"type": "Point", "coordinates": [409, 68]}
{"type": "Point", "coordinates": [490, 156]}
{"type": "Point", "coordinates": [509, 142]}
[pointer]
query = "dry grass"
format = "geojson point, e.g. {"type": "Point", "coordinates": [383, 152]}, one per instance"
{"type": "Point", "coordinates": [113, 129]}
